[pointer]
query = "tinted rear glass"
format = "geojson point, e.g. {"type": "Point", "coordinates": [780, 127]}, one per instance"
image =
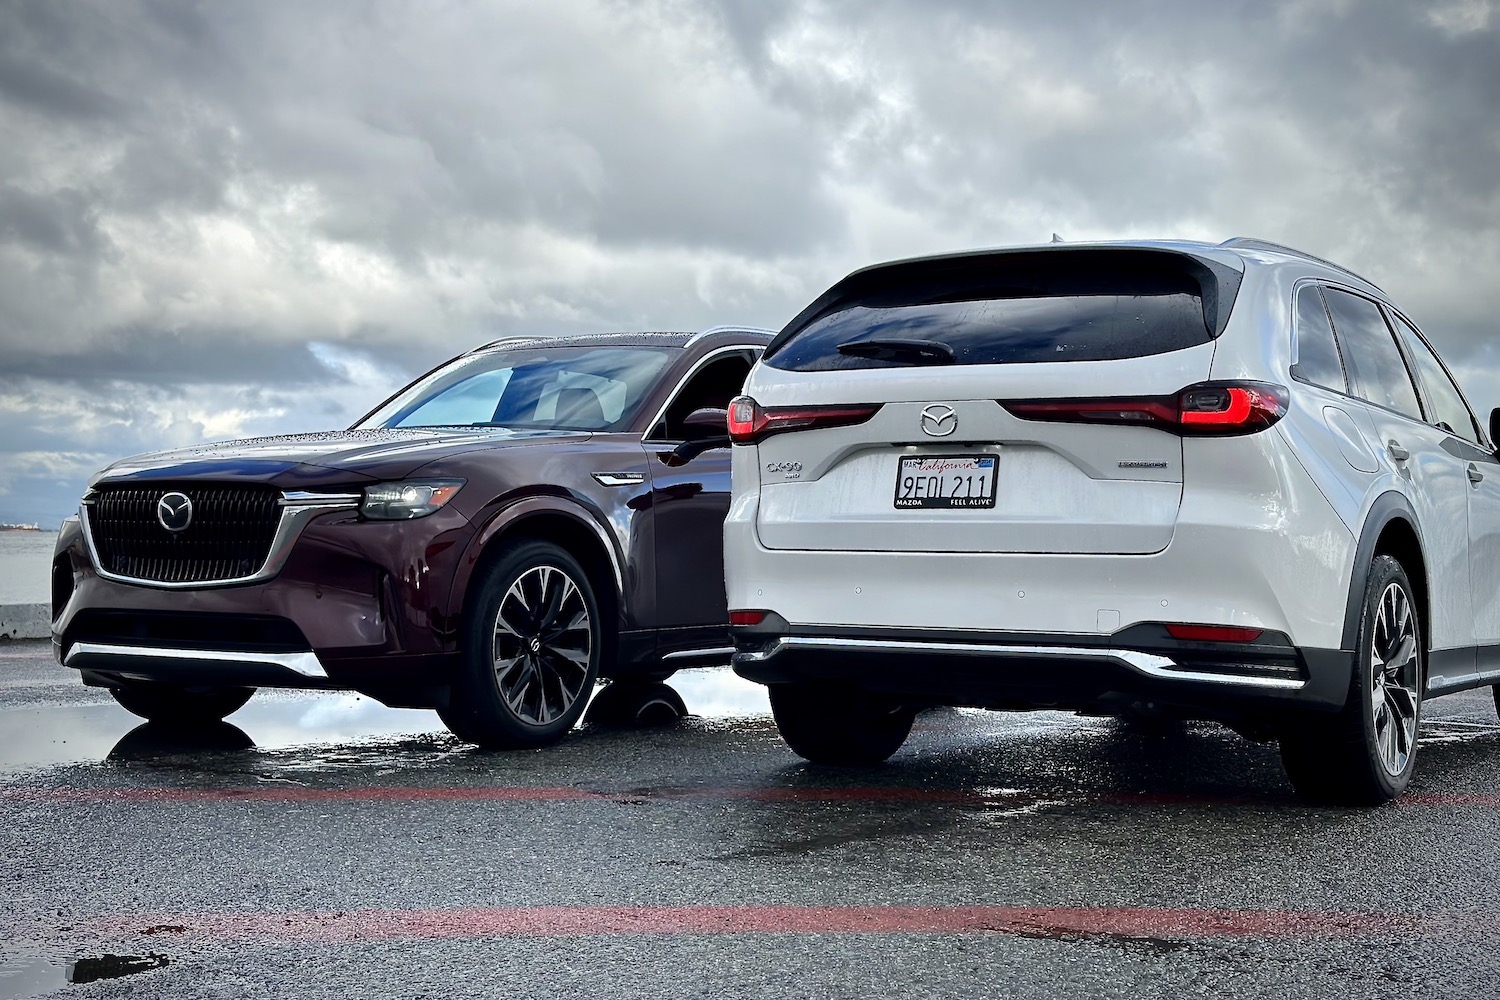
{"type": "Point", "coordinates": [1011, 317]}
{"type": "Point", "coordinates": [1377, 371]}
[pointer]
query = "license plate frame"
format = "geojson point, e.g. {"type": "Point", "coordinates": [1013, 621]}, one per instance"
{"type": "Point", "coordinates": [962, 470]}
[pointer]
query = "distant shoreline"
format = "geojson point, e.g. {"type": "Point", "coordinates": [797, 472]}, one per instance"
{"type": "Point", "coordinates": [26, 527]}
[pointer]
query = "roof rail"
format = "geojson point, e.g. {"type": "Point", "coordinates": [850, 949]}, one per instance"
{"type": "Point", "coordinates": [1251, 243]}
{"type": "Point", "coordinates": [727, 328]}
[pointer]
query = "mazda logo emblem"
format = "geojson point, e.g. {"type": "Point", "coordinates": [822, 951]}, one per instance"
{"type": "Point", "coordinates": [174, 511]}
{"type": "Point", "coordinates": [939, 420]}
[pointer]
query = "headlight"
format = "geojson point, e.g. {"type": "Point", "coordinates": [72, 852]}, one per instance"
{"type": "Point", "coordinates": [404, 501]}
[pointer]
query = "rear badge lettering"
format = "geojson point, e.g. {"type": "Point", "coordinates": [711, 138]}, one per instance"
{"type": "Point", "coordinates": [1142, 465]}
{"type": "Point", "coordinates": [791, 470]}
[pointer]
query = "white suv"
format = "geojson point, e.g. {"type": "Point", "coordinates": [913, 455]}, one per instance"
{"type": "Point", "coordinates": [1229, 482]}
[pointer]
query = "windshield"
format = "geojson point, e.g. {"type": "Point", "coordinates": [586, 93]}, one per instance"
{"type": "Point", "coordinates": [561, 388]}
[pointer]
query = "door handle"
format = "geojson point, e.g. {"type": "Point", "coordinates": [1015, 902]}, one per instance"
{"type": "Point", "coordinates": [1399, 453]}
{"type": "Point", "coordinates": [1475, 476]}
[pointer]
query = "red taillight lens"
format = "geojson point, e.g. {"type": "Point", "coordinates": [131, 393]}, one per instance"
{"type": "Point", "coordinates": [750, 422]}
{"type": "Point", "coordinates": [747, 617]}
{"type": "Point", "coordinates": [1205, 408]}
{"type": "Point", "coordinates": [745, 418]}
{"type": "Point", "coordinates": [1213, 633]}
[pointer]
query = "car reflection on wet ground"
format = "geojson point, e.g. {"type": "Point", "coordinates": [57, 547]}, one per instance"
{"type": "Point", "coordinates": [325, 845]}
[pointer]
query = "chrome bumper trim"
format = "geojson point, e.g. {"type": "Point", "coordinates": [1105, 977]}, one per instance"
{"type": "Point", "coordinates": [1149, 664]}
{"type": "Point", "coordinates": [106, 656]}
{"type": "Point", "coordinates": [700, 654]}
{"type": "Point", "coordinates": [297, 509]}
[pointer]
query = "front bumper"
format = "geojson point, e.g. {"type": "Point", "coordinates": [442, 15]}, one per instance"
{"type": "Point", "coordinates": [1138, 668]}
{"type": "Point", "coordinates": [354, 604]}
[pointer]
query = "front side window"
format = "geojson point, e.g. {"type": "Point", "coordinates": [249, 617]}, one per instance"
{"type": "Point", "coordinates": [713, 385]}
{"type": "Point", "coordinates": [1449, 409]}
{"type": "Point", "coordinates": [564, 388]}
{"type": "Point", "coordinates": [1377, 371]}
{"type": "Point", "coordinates": [1317, 352]}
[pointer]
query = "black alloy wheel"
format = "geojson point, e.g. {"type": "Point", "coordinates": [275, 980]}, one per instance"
{"type": "Point", "coordinates": [531, 652]}
{"type": "Point", "coordinates": [180, 706]}
{"type": "Point", "coordinates": [1366, 753]}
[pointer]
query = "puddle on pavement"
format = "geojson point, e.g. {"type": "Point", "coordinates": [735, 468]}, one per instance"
{"type": "Point", "coordinates": [32, 737]}
{"type": "Point", "coordinates": [23, 977]}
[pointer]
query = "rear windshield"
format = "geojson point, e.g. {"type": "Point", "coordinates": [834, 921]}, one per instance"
{"type": "Point", "coordinates": [1010, 315]}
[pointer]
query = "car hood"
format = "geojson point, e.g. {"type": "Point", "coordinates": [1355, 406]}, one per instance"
{"type": "Point", "coordinates": [308, 461]}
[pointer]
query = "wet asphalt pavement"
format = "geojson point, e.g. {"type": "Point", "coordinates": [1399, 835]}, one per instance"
{"type": "Point", "coordinates": [326, 846]}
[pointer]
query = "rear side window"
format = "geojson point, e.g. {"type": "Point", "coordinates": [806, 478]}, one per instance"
{"type": "Point", "coordinates": [1377, 371]}
{"type": "Point", "coordinates": [998, 312]}
{"type": "Point", "coordinates": [1448, 404]}
{"type": "Point", "coordinates": [1317, 353]}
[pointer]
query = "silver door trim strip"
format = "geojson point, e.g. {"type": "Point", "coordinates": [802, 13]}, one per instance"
{"type": "Point", "coordinates": [699, 654]}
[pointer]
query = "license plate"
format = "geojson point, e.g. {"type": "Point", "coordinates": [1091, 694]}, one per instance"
{"type": "Point", "coordinates": [946, 481]}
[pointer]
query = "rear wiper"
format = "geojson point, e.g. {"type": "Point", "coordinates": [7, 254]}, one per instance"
{"type": "Point", "coordinates": [920, 352]}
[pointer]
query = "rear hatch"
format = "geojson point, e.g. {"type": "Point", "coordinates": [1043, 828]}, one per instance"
{"type": "Point", "coordinates": [1021, 402]}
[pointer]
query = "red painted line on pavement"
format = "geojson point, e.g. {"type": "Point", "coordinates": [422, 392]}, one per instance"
{"type": "Point", "coordinates": [279, 793]}
{"type": "Point", "coordinates": [577, 921]}
{"type": "Point", "coordinates": [397, 793]}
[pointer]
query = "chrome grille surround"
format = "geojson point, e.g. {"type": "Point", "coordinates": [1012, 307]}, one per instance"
{"type": "Point", "coordinates": [244, 532]}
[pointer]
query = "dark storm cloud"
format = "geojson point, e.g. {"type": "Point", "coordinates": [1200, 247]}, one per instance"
{"type": "Point", "coordinates": [249, 217]}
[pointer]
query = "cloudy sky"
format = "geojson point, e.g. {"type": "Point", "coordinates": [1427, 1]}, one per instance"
{"type": "Point", "coordinates": [224, 219]}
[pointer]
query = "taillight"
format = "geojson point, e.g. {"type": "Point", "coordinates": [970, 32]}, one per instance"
{"type": "Point", "coordinates": [1213, 633]}
{"type": "Point", "coordinates": [750, 422]}
{"type": "Point", "coordinates": [747, 617]}
{"type": "Point", "coordinates": [1205, 408]}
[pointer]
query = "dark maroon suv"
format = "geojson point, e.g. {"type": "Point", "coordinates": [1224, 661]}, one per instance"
{"type": "Point", "coordinates": [513, 525]}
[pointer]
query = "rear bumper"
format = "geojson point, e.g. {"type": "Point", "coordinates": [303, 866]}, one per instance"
{"type": "Point", "coordinates": [1138, 668]}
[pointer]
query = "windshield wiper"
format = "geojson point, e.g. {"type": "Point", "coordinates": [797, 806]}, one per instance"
{"type": "Point", "coordinates": [919, 352]}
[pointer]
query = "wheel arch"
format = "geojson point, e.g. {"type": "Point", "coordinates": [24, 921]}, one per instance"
{"type": "Point", "coordinates": [1390, 529]}
{"type": "Point", "coordinates": [562, 522]}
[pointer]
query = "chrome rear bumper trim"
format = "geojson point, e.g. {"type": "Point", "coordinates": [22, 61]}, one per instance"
{"type": "Point", "coordinates": [1149, 664]}
{"type": "Point", "coordinates": [107, 656]}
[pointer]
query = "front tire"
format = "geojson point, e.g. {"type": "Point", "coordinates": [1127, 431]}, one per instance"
{"type": "Point", "coordinates": [1366, 754]}
{"type": "Point", "coordinates": [531, 652]}
{"type": "Point", "coordinates": [832, 725]}
{"type": "Point", "coordinates": [181, 706]}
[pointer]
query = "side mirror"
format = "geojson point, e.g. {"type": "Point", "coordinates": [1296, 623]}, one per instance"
{"type": "Point", "coordinates": [1495, 428]}
{"type": "Point", "coordinates": [709, 422]}
{"type": "Point", "coordinates": [702, 430]}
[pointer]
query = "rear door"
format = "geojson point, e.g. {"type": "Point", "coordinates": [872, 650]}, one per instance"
{"type": "Point", "coordinates": [1413, 450]}
{"type": "Point", "coordinates": [1467, 443]}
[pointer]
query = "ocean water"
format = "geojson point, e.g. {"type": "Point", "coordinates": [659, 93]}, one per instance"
{"type": "Point", "coordinates": [26, 566]}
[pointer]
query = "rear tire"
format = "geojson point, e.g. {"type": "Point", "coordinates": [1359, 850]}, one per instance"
{"type": "Point", "coordinates": [181, 706]}
{"type": "Point", "coordinates": [839, 726]}
{"type": "Point", "coordinates": [636, 705]}
{"type": "Point", "coordinates": [531, 652]}
{"type": "Point", "coordinates": [1366, 753]}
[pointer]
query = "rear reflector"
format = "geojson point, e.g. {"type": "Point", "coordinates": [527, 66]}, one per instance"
{"type": "Point", "coordinates": [1213, 633]}
{"type": "Point", "coordinates": [1206, 408]}
{"type": "Point", "coordinates": [750, 422]}
{"type": "Point", "coordinates": [747, 617]}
